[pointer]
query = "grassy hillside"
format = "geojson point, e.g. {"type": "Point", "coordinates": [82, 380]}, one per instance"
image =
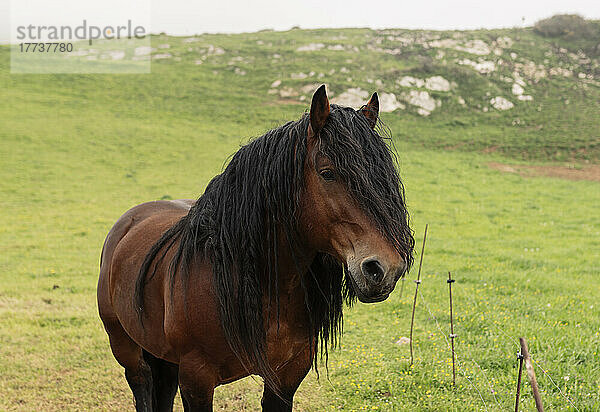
{"type": "Point", "coordinates": [558, 121]}
{"type": "Point", "coordinates": [77, 150]}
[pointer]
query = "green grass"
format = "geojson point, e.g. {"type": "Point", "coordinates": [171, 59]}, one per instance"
{"type": "Point", "coordinates": [76, 151]}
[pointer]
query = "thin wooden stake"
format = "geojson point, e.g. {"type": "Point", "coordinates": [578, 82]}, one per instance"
{"type": "Point", "coordinates": [520, 358]}
{"type": "Point", "coordinates": [531, 374]}
{"type": "Point", "coordinates": [452, 335]}
{"type": "Point", "coordinates": [418, 281]}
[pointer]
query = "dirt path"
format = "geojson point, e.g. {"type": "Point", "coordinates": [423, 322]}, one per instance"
{"type": "Point", "coordinates": [591, 172]}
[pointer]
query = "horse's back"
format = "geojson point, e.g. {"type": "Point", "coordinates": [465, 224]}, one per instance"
{"type": "Point", "coordinates": [125, 247]}
{"type": "Point", "coordinates": [134, 216]}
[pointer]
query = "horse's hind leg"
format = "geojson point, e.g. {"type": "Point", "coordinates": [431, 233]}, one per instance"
{"type": "Point", "coordinates": [140, 382]}
{"type": "Point", "coordinates": [164, 380]}
{"type": "Point", "coordinates": [196, 383]}
{"type": "Point", "coordinates": [137, 371]}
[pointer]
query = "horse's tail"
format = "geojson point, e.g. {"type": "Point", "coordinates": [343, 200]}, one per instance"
{"type": "Point", "coordinates": [166, 241]}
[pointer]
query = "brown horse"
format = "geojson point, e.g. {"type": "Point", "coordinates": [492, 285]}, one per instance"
{"type": "Point", "coordinates": [251, 278]}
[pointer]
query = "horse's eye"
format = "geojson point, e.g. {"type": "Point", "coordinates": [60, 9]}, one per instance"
{"type": "Point", "coordinates": [327, 174]}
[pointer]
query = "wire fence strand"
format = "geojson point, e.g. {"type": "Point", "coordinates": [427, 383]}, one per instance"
{"type": "Point", "coordinates": [457, 357]}
{"type": "Point", "coordinates": [537, 361]}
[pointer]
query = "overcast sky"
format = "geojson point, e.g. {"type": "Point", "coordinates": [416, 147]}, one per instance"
{"type": "Point", "coordinates": [186, 17]}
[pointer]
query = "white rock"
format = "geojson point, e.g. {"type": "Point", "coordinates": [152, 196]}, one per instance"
{"type": "Point", "coordinates": [483, 67]}
{"type": "Point", "coordinates": [299, 75]}
{"type": "Point", "coordinates": [239, 71]}
{"type": "Point", "coordinates": [276, 83]}
{"type": "Point", "coordinates": [500, 103]}
{"type": "Point", "coordinates": [421, 99]}
{"type": "Point", "coordinates": [445, 43]}
{"type": "Point", "coordinates": [423, 112]}
{"type": "Point", "coordinates": [518, 79]}
{"type": "Point", "coordinates": [525, 98]}
{"type": "Point", "coordinates": [164, 46]}
{"type": "Point", "coordinates": [214, 50]}
{"type": "Point", "coordinates": [478, 47]}
{"type": "Point", "coordinates": [160, 56]}
{"type": "Point", "coordinates": [403, 341]}
{"type": "Point", "coordinates": [388, 103]}
{"type": "Point", "coordinates": [504, 42]}
{"type": "Point", "coordinates": [199, 61]}
{"type": "Point", "coordinates": [559, 71]}
{"type": "Point", "coordinates": [311, 47]}
{"type": "Point", "coordinates": [513, 55]}
{"type": "Point", "coordinates": [287, 92]}
{"type": "Point", "coordinates": [117, 54]}
{"type": "Point", "coordinates": [142, 51]}
{"type": "Point", "coordinates": [353, 97]}
{"type": "Point", "coordinates": [461, 101]}
{"type": "Point", "coordinates": [191, 40]}
{"type": "Point", "coordinates": [336, 47]}
{"type": "Point", "coordinates": [409, 81]}
{"type": "Point", "coordinates": [581, 75]}
{"type": "Point", "coordinates": [310, 88]}
{"type": "Point", "coordinates": [531, 70]}
{"type": "Point", "coordinates": [517, 89]}
{"type": "Point", "coordinates": [437, 83]}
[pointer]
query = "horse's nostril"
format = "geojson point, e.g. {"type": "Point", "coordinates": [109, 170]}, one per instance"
{"type": "Point", "coordinates": [372, 269]}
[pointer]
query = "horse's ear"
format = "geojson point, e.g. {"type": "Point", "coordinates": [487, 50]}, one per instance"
{"type": "Point", "coordinates": [371, 110]}
{"type": "Point", "coordinates": [319, 111]}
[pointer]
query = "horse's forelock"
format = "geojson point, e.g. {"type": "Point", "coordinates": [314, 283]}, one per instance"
{"type": "Point", "coordinates": [368, 164]}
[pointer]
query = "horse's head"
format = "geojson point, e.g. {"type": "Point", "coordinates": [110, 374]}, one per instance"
{"type": "Point", "coordinates": [353, 200]}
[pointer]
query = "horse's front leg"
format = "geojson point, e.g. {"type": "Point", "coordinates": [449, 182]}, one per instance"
{"type": "Point", "coordinates": [290, 376]}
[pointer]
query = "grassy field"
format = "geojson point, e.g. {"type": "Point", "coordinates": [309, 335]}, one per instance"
{"type": "Point", "coordinates": [76, 151]}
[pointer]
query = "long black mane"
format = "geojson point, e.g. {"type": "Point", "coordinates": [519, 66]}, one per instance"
{"type": "Point", "coordinates": [239, 220]}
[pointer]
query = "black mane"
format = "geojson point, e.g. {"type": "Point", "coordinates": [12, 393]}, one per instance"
{"type": "Point", "coordinates": [238, 220]}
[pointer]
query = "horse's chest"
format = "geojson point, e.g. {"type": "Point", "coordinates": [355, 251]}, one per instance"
{"type": "Point", "coordinates": [287, 342]}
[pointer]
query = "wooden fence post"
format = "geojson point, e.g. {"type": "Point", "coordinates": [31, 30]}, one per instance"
{"type": "Point", "coordinates": [531, 374]}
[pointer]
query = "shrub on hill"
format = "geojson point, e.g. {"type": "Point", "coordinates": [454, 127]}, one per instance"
{"type": "Point", "coordinates": [572, 32]}
{"type": "Point", "coordinates": [565, 25]}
